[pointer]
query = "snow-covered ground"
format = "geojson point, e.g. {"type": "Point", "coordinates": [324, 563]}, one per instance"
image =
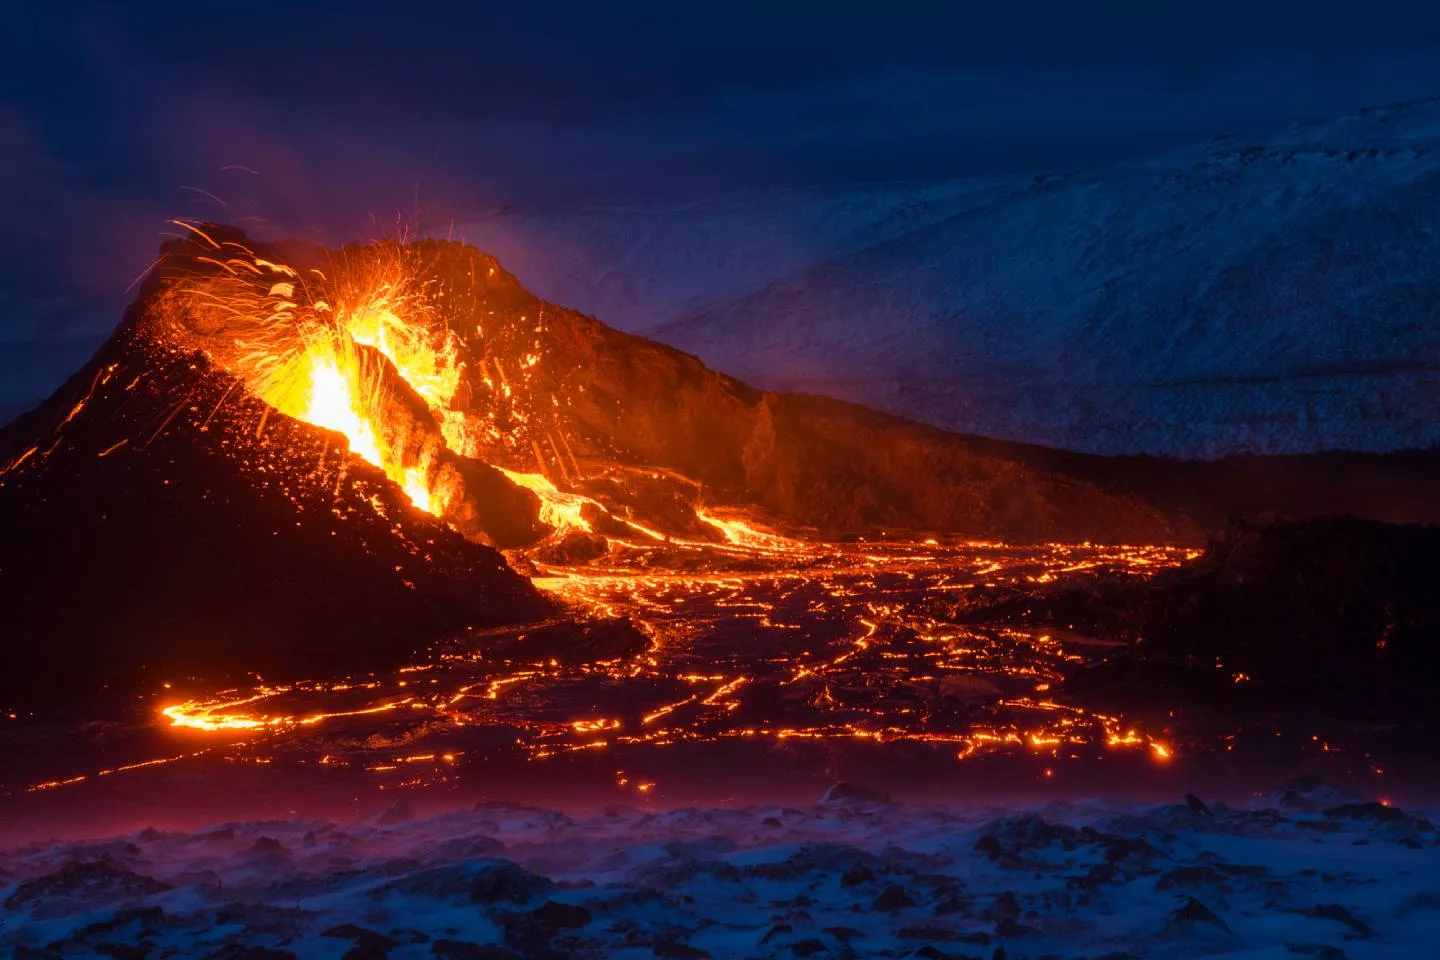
{"type": "Point", "coordinates": [1278, 293]}
{"type": "Point", "coordinates": [1307, 872]}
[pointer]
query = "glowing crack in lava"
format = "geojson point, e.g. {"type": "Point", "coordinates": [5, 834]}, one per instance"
{"type": "Point", "coordinates": [333, 405]}
{"type": "Point", "coordinates": [341, 397]}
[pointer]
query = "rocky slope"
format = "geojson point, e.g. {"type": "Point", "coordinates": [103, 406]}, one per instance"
{"type": "Point", "coordinates": [649, 432]}
{"type": "Point", "coordinates": [162, 520]}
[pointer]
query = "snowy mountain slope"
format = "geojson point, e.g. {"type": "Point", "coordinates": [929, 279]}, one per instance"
{"type": "Point", "coordinates": [1277, 295]}
{"type": "Point", "coordinates": [640, 265]}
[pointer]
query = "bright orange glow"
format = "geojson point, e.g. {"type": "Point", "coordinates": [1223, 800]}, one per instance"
{"type": "Point", "coordinates": [329, 387]}
{"type": "Point", "coordinates": [333, 404]}
{"type": "Point", "coordinates": [432, 370]}
{"type": "Point", "coordinates": [741, 534]}
{"type": "Point", "coordinates": [316, 359]}
{"type": "Point", "coordinates": [559, 510]}
{"type": "Point", "coordinates": [729, 697]}
{"type": "Point", "coordinates": [342, 360]}
{"type": "Point", "coordinates": [213, 717]}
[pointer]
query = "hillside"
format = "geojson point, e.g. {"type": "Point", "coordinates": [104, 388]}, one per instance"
{"type": "Point", "coordinates": [1270, 295]}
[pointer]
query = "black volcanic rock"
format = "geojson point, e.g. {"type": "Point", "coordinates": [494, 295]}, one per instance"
{"type": "Point", "coordinates": [472, 881]}
{"type": "Point", "coordinates": [1338, 588]}
{"type": "Point", "coordinates": [571, 550]}
{"type": "Point", "coordinates": [571, 642]}
{"type": "Point", "coordinates": [843, 792]}
{"type": "Point", "coordinates": [161, 523]}
{"type": "Point", "coordinates": [1336, 613]}
{"type": "Point", "coordinates": [94, 882]}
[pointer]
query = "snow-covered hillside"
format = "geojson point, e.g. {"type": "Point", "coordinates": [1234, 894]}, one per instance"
{"type": "Point", "coordinates": [1273, 294]}
{"type": "Point", "coordinates": [644, 264]}
{"type": "Point", "coordinates": [1278, 879]}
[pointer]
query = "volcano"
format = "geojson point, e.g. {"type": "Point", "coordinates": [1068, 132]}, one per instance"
{"type": "Point", "coordinates": [289, 459]}
{"type": "Point", "coordinates": [163, 522]}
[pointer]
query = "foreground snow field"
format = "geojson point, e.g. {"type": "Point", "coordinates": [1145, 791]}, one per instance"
{"type": "Point", "coordinates": [1273, 294]}
{"type": "Point", "coordinates": [1306, 872]}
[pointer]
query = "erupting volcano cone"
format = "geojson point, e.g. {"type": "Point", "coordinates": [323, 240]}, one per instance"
{"type": "Point", "coordinates": [161, 521]}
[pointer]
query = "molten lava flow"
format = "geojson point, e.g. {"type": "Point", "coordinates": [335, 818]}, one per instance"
{"type": "Point", "coordinates": [329, 386]}
{"type": "Point", "coordinates": [417, 488]}
{"type": "Point", "coordinates": [741, 534]}
{"type": "Point", "coordinates": [363, 349]}
{"type": "Point", "coordinates": [232, 715]}
{"type": "Point", "coordinates": [842, 645]}
{"type": "Point", "coordinates": [561, 511]}
{"type": "Point", "coordinates": [333, 405]}
{"type": "Point", "coordinates": [336, 360]}
{"type": "Point", "coordinates": [432, 371]}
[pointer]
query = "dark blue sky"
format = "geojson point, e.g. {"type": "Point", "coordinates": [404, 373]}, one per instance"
{"type": "Point", "coordinates": [352, 113]}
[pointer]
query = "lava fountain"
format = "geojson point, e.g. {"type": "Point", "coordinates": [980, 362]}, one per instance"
{"type": "Point", "coordinates": [358, 346]}
{"type": "Point", "coordinates": [332, 350]}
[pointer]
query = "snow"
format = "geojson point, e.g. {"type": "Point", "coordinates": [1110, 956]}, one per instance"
{"type": "Point", "coordinates": [1304, 872]}
{"type": "Point", "coordinates": [1274, 294]}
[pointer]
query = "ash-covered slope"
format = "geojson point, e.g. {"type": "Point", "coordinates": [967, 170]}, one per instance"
{"type": "Point", "coordinates": [160, 522]}
{"type": "Point", "coordinates": [1272, 295]}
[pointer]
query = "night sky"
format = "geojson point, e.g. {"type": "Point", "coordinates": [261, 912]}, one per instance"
{"type": "Point", "coordinates": [335, 118]}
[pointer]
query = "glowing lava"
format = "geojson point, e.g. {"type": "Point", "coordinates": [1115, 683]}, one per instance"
{"type": "Point", "coordinates": [432, 370]}
{"type": "Point", "coordinates": [839, 647]}
{"type": "Point", "coordinates": [333, 405]}
{"type": "Point", "coordinates": [336, 360]}
{"type": "Point", "coordinates": [561, 511]}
